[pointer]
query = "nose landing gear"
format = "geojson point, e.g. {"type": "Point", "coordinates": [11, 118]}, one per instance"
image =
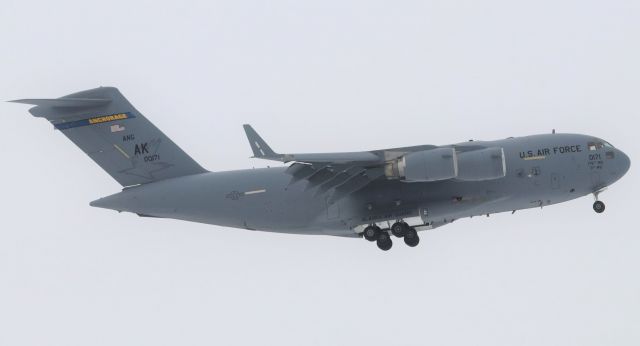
{"type": "Point", "coordinates": [598, 206]}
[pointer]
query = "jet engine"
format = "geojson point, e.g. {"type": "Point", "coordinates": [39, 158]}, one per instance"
{"type": "Point", "coordinates": [483, 164]}
{"type": "Point", "coordinates": [446, 163]}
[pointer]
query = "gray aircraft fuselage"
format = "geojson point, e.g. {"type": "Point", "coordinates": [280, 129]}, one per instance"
{"type": "Point", "coordinates": [541, 170]}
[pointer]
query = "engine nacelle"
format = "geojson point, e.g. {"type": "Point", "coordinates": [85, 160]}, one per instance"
{"type": "Point", "coordinates": [445, 163]}
{"type": "Point", "coordinates": [428, 165]}
{"type": "Point", "coordinates": [484, 164]}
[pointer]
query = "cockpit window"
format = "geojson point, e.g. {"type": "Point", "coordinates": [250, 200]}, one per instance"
{"type": "Point", "coordinates": [599, 145]}
{"type": "Point", "coordinates": [595, 146]}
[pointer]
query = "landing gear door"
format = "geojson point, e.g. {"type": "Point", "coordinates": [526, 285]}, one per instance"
{"type": "Point", "coordinates": [424, 215]}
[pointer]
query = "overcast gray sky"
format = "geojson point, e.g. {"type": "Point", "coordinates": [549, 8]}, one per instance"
{"type": "Point", "coordinates": [317, 76]}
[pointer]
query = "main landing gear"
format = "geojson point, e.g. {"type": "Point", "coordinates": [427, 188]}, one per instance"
{"type": "Point", "coordinates": [411, 237]}
{"type": "Point", "coordinates": [381, 237]}
{"type": "Point", "coordinates": [384, 241]}
{"type": "Point", "coordinates": [399, 229]}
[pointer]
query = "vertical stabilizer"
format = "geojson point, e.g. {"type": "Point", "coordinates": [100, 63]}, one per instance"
{"type": "Point", "coordinates": [116, 136]}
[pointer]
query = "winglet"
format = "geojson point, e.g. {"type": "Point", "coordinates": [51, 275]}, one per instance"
{"type": "Point", "coordinates": [260, 148]}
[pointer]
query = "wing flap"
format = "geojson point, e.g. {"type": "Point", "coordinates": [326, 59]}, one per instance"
{"type": "Point", "coordinates": [338, 179]}
{"type": "Point", "coordinates": [320, 176]}
{"type": "Point", "coordinates": [355, 183]}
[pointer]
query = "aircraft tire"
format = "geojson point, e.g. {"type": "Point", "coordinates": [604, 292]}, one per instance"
{"type": "Point", "coordinates": [384, 241]}
{"type": "Point", "coordinates": [399, 229]}
{"type": "Point", "coordinates": [371, 233]}
{"type": "Point", "coordinates": [598, 206]}
{"type": "Point", "coordinates": [411, 238]}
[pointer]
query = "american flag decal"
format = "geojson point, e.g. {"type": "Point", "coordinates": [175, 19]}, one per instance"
{"type": "Point", "coordinates": [117, 128]}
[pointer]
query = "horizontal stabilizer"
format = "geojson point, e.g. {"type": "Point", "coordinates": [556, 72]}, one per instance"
{"type": "Point", "coordinates": [60, 108]}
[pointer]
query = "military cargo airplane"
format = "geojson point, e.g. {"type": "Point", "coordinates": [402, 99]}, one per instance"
{"type": "Point", "coordinates": [370, 194]}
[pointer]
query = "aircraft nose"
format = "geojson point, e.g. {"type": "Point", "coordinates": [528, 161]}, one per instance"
{"type": "Point", "coordinates": [624, 162]}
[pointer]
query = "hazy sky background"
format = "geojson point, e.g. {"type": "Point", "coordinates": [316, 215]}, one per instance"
{"type": "Point", "coordinates": [317, 76]}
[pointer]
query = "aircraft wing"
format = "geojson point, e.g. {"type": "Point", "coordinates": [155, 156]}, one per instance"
{"type": "Point", "coordinates": [335, 174]}
{"type": "Point", "coordinates": [261, 150]}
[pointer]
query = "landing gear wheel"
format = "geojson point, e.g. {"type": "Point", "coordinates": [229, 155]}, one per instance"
{"type": "Point", "coordinates": [399, 229]}
{"type": "Point", "coordinates": [371, 233]}
{"type": "Point", "coordinates": [598, 206]}
{"type": "Point", "coordinates": [384, 241]}
{"type": "Point", "coordinates": [411, 237]}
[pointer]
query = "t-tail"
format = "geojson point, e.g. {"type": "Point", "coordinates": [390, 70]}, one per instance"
{"type": "Point", "coordinates": [116, 136]}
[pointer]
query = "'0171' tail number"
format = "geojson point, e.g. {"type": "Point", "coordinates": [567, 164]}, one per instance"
{"type": "Point", "coordinates": [151, 158]}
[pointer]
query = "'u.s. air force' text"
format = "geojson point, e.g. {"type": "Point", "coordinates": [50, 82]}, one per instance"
{"type": "Point", "coordinates": [548, 151]}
